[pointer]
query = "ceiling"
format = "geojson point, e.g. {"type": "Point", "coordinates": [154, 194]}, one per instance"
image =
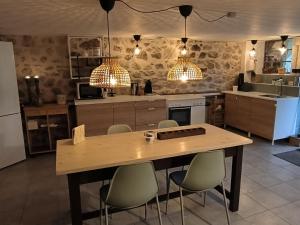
{"type": "Point", "coordinates": [256, 19]}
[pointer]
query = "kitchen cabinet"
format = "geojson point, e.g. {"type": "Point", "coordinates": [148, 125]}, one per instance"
{"type": "Point", "coordinates": [124, 113]}
{"type": "Point", "coordinates": [96, 117]}
{"type": "Point", "coordinates": [149, 114]}
{"type": "Point", "coordinates": [263, 117]}
{"type": "Point", "coordinates": [139, 115]}
{"type": "Point", "coordinates": [266, 118]}
{"type": "Point", "coordinates": [230, 110]}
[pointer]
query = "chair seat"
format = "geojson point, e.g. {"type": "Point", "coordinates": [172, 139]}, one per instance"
{"type": "Point", "coordinates": [104, 191]}
{"type": "Point", "coordinates": [178, 176]}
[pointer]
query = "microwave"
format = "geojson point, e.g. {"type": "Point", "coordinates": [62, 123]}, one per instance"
{"type": "Point", "coordinates": [85, 91]}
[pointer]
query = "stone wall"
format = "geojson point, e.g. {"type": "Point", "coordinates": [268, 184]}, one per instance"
{"type": "Point", "coordinates": [220, 61]}
{"type": "Point", "coordinates": [48, 57]}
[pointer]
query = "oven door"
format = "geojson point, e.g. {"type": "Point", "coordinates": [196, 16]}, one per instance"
{"type": "Point", "coordinates": [182, 115]}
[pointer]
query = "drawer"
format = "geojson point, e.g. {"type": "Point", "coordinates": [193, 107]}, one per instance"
{"type": "Point", "coordinates": [150, 116]}
{"type": "Point", "coordinates": [35, 112]}
{"type": "Point", "coordinates": [150, 104]}
{"type": "Point", "coordinates": [62, 110]}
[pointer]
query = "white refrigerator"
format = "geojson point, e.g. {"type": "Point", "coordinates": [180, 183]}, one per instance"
{"type": "Point", "coordinates": [12, 148]}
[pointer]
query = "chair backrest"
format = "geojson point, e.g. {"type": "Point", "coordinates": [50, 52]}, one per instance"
{"type": "Point", "coordinates": [118, 128]}
{"type": "Point", "coordinates": [206, 171]}
{"type": "Point", "coordinates": [132, 185]}
{"type": "Point", "coordinates": [167, 124]}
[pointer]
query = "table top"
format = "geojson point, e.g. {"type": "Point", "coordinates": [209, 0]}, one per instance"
{"type": "Point", "coordinates": [105, 151]}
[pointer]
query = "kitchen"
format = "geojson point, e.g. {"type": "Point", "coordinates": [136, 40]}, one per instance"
{"type": "Point", "coordinates": [239, 90]}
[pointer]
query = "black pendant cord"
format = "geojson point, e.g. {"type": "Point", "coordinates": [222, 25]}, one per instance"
{"type": "Point", "coordinates": [108, 38]}
{"type": "Point", "coordinates": [213, 20]}
{"type": "Point", "coordinates": [185, 27]}
{"type": "Point", "coordinates": [108, 35]}
{"type": "Point", "coordinates": [228, 14]}
{"type": "Point", "coordinates": [153, 11]}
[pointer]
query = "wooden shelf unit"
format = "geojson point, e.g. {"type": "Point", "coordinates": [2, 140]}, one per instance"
{"type": "Point", "coordinates": [45, 125]}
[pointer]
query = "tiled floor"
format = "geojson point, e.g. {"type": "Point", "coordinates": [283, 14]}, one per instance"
{"type": "Point", "coordinates": [31, 194]}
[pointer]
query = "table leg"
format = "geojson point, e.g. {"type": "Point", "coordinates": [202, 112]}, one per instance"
{"type": "Point", "coordinates": [75, 199]}
{"type": "Point", "coordinates": [236, 174]}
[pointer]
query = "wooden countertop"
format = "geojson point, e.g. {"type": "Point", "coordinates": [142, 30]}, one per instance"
{"type": "Point", "coordinates": [254, 94]}
{"type": "Point", "coordinates": [131, 98]}
{"type": "Point", "coordinates": [127, 148]}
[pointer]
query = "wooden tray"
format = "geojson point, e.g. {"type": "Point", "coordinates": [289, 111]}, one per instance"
{"type": "Point", "coordinates": [164, 135]}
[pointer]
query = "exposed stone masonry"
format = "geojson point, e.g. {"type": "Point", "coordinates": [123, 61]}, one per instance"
{"type": "Point", "coordinates": [48, 57]}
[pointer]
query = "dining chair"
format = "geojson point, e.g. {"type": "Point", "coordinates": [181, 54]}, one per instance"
{"type": "Point", "coordinates": [167, 124]}
{"type": "Point", "coordinates": [206, 171]}
{"type": "Point", "coordinates": [119, 128]}
{"type": "Point", "coordinates": [131, 186]}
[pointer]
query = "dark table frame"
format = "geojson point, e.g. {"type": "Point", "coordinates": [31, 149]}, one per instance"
{"type": "Point", "coordinates": [76, 179]}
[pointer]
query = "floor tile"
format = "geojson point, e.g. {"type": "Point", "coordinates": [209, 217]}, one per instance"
{"type": "Point", "coordinates": [289, 213]}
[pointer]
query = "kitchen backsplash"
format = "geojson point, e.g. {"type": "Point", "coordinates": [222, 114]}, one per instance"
{"type": "Point", "coordinates": [48, 57]}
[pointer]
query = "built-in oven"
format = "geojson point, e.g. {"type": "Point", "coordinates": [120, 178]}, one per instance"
{"type": "Point", "coordinates": [180, 114]}
{"type": "Point", "coordinates": [186, 109]}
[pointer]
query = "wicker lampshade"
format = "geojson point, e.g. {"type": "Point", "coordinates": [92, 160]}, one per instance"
{"type": "Point", "coordinates": [110, 74]}
{"type": "Point", "coordinates": [184, 70]}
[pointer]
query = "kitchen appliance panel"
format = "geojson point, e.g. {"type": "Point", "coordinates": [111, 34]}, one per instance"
{"type": "Point", "coordinates": [12, 148]}
{"type": "Point", "coordinates": [9, 96]}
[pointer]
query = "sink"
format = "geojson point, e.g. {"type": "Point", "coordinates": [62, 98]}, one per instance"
{"type": "Point", "coordinates": [273, 96]}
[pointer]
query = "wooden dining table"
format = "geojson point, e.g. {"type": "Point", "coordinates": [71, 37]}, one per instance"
{"type": "Point", "coordinates": [97, 158]}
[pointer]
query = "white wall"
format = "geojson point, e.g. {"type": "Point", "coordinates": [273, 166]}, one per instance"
{"type": "Point", "coordinates": [254, 64]}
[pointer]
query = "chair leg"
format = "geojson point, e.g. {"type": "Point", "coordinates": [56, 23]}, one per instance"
{"type": "Point", "coordinates": [204, 198]}
{"type": "Point", "coordinates": [168, 193]}
{"type": "Point", "coordinates": [100, 211]}
{"type": "Point", "coordinates": [158, 210]}
{"type": "Point", "coordinates": [181, 204]}
{"type": "Point", "coordinates": [106, 214]}
{"type": "Point", "coordinates": [225, 204]}
{"type": "Point", "coordinates": [146, 206]}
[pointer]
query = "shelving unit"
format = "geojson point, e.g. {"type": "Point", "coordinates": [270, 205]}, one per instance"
{"type": "Point", "coordinates": [215, 110]}
{"type": "Point", "coordinates": [85, 54]}
{"type": "Point", "coordinates": [45, 125]}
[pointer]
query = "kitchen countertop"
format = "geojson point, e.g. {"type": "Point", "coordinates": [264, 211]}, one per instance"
{"type": "Point", "coordinates": [131, 98]}
{"type": "Point", "coordinates": [254, 94]}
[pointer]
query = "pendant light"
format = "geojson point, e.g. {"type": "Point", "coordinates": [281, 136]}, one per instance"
{"type": "Point", "coordinates": [109, 74]}
{"type": "Point", "coordinates": [283, 47]}
{"type": "Point", "coordinates": [137, 49]}
{"type": "Point", "coordinates": [252, 52]}
{"type": "Point", "coordinates": [185, 70]}
{"type": "Point", "coordinates": [184, 51]}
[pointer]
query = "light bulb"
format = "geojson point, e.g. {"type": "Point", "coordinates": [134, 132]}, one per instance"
{"type": "Point", "coordinates": [137, 50]}
{"type": "Point", "coordinates": [252, 53]}
{"type": "Point", "coordinates": [113, 81]}
{"type": "Point", "coordinates": [183, 51]}
{"type": "Point", "coordinates": [36, 77]}
{"type": "Point", "coordinates": [184, 77]}
{"type": "Point", "coordinates": [27, 77]}
{"type": "Point", "coordinates": [282, 49]}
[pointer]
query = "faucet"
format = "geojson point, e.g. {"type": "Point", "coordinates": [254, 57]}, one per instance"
{"type": "Point", "coordinates": [280, 80]}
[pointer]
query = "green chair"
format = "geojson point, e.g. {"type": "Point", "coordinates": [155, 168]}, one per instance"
{"type": "Point", "coordinates": [167, 124]}
{"type": "Point", "coordinates": [131, 186]}
{"type": "Point", "coordinates": [119, 128]}
{"type": "Point", "coordinates": [206, 171]}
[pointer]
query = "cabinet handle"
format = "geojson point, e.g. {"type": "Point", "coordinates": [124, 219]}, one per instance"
{"type": "Point", "coordinates": [151, 108]}
{"type": "Point", "coordinates": [151, 124]}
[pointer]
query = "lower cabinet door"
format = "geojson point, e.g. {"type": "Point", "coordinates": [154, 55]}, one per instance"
{"type": "Point", "coordinates": [263, 118]}
{"type": "Point", "coordinates": [97, 118]}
